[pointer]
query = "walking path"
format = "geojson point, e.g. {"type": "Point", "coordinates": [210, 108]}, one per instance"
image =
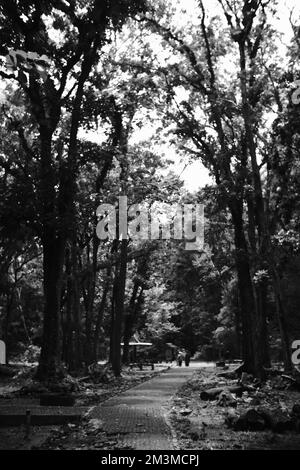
{"type": "Point", "coordinates": [139, 415]}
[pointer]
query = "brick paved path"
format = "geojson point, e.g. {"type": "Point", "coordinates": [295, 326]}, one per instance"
{"type": "Point", "coordinates": [138, 416]}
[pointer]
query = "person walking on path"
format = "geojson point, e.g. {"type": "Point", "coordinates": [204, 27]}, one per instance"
{"type": "Point", "coordinates": [179, 358]}
{"type": "Point", "coordinates": [187, 358]}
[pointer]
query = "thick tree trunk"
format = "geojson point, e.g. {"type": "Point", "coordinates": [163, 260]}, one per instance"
{"type": "Point", "coordinates": [128, 324]}
{"type": "Point", "coordinates": [67, 313]}
{"type": "Point", "coordinates": [136, 299]}
{"type": "Point", "coordinates": [100, 319]}
{"type": "Point", "coordinates": [247, 302]}
{"type": "Point", "coordinates": [258, 209]}
{"type": "Point", "coordinates": [238, 328]}
{"type": "Point", "coordinates": [281, 315]}
{"type": "Point", "coordinates": [260, 290]}
{"type": "Point", "coordinates": [53, 262]}
{"type": "Point", "coordinates": [119, 310]}
{"type": "Point", "coordinates": [90, 301]}
{"type": "Point", "coordinates": [112, 322]}
{"type": "Point", "coordinates": [77, 353]}
{"type": "Point", "coordinates": [7, 321]}
{"type": "Point", "coordinates": [262, 328]}
{"type": "Point", "coordinates": [51, 344]}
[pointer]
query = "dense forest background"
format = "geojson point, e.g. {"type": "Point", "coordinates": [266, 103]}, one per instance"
{"type": "Point", "coordinates": [102, 98]}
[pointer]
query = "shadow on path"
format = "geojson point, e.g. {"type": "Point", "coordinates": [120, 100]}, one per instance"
{"type": "Point", "coordinates": [138, 416]}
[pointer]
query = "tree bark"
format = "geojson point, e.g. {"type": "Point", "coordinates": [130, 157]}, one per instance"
{"type": "Point", "coordinates": [51, 344]}
{"type": "Point", "coordinates": [100, 318]}
{"type": "Point", "coordinates": [53, 261]}
{"type": "Point", "coordinates": [247, 302]}
{"type": "Point", "coordinates": [118, 300]}
{"type": "Point", "coordinates": [265, 245]}
{"type": "Point", "coordinates": [129, 321]}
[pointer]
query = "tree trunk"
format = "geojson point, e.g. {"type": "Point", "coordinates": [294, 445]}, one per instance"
{"type": "Point", "coordinates": [128, 324]}
{"type": "Point", "coordinates": [259, 209]}
{"type": "Point", "coordinates": [53, 262]}
{"type": "Point", "coordinates": [285, 340]}
{"type": "Point", "coordinates": [6, 323]}
{"type": "Point", "coordinates": [51, 344]}
{"type": "Point", "coordinates": [119, 298]}
{"type": "Point", "coordinates": [247, 302]}
{"type": "Point", "coordinates": [67, 325]}
{"type": "Point", "coordinates": [260, 290]}
{"type": "Point", "coordinates": [238, 331]}
{"type": "Point", "coordinates": [262, 327]}
{"type": "Point", "coordinates": [100, 318]}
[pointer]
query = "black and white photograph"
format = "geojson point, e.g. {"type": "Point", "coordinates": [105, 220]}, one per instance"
{"type": "Point", "coordinates": [149, 229]}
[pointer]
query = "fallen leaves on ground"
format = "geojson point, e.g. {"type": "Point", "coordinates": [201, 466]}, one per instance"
{"type": "Point", "coordinates": [267, 416]}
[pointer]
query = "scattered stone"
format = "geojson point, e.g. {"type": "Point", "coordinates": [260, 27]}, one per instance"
{"type": "Point", "coordinates": [185, 412]}
{"type": "Point", "coordinates": [232, 374]}
{"type": "Point", "coordinates": [99, 373]}
{"type": "Point", "coordinates": [278, 383]}
{"type": "Point", "coordinates": [226, 399]}
{"type": "Point", "coordinates": [197, 434]}
{"type": "Point", "coordinates": [213, 393]}
{"type": "Point", "coordinates": [259, 419]}
{"type": "Point", "coordinates": [95, 425]}
{"type": "Point", "coordinates": [67, 385]}
{"type": "Point", "coordinates": [294, 383]}
{"type": "Point", "coordinates": [281, 422]}
{"type": "Point", "coordinates": [252, 420]}
{"type": "Point", "coordinates": [71, 426]}
{"type": "Point", "coordinates": [231, 418]}
{"type": "Point", "coordinates": [246, 379]}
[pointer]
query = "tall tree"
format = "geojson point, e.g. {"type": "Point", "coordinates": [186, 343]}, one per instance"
{"type": "Point", "coordinates": [54, 41]}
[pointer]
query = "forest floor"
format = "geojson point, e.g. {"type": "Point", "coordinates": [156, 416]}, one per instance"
{"type": "Point", "coordinates": [164, 409]}
{"type": "Point", "coordinates": [135, 419]}
{"type": "Point", "coordinates": [88, 394]}
{"type": "Point", "coordinates": [207, 425]}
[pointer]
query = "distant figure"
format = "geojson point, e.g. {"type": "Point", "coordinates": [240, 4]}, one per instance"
{"type": "Point", "coordinates": [168, 355]}
{"type": "Point", "coordinates": [187, 358]}
{"type": "Point", "coordinates": [179, 359]}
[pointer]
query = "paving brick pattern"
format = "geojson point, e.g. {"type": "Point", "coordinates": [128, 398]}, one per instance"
{"type": "Point", "coordinates": [138, 416]}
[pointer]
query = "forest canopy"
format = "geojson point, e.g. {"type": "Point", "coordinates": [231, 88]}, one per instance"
{"type": "Point", "coordinates": [102, 99]}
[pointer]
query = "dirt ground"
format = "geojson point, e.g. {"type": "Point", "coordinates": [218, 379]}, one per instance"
{"type": "Point", "coordinates": [201, 424]}
{"type": "Point", "coordinates": [197, 424]}
{"type": "Point", "coordinates": [85, 435]}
